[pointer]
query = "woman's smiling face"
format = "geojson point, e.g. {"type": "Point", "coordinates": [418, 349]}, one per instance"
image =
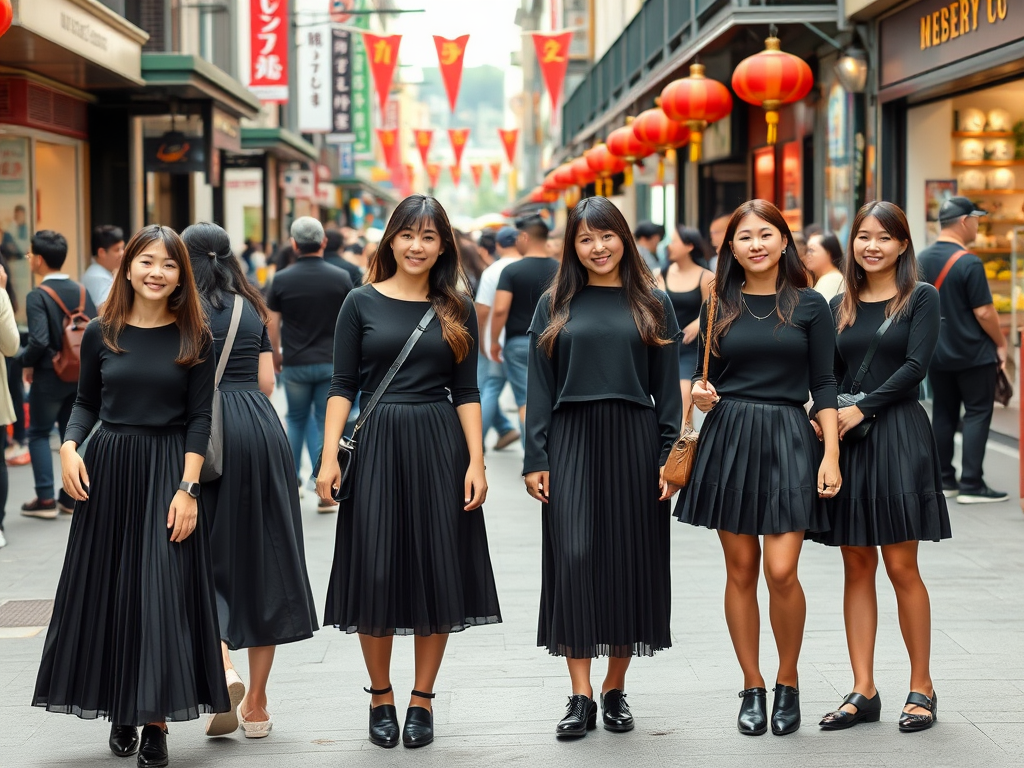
{"type": "Point", "coordinates": [154, 274]}
{"type": "Point", "coordinates": [599, 251]}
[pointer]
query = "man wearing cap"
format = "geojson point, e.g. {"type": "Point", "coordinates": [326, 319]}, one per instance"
{"type": "Point", "coordinates": [490, 372]}
{"type": "Point", "coordinates": [970, 352]}
{"type": "Point", "coordinates": [304, 302]}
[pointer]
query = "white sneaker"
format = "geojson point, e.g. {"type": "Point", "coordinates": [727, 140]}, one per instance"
{"type": "Point", "coordinates": [3, 541]}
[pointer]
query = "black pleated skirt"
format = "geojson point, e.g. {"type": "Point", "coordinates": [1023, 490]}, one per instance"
{"type": "Point", "coordinates": [892, 484]}
{"type": "Point", "coordinates": [255, 524]}
{"type": "Point", "coordinates": [605, 584]}
{"type": "Point", "coordinates": [134, 635]}
{"type": "Point", "coordinates": [408, 559]}
{"type": "Point", "coordinates": [756, 471]}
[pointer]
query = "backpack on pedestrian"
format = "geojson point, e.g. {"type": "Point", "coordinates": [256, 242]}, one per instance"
{"type": "Point", "coordinates": [67, 359]}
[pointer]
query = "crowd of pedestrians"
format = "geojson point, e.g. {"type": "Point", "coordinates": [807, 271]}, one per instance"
{"type": "Point", "coordinates": [184, 485]}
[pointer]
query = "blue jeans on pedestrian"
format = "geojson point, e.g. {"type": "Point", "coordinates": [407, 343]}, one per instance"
{"type": "Point", "coordinates": [49, 402]}
{"type": "Point", "coordinates": [517, 357]}
{"type": "Point", "coordinates": [305, 389]}
{"type": "Point", "coordinates": [491, 380]}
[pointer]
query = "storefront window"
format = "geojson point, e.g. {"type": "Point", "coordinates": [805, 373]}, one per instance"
{"type": "Point", "coordinates": [764, 174]}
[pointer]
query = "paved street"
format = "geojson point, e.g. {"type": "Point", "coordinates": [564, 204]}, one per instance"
{"type": "Point", "coordinates": [499, 696]}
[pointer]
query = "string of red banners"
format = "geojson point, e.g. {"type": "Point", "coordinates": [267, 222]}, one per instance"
{"type": "Point", "coordinates": [686, 108]}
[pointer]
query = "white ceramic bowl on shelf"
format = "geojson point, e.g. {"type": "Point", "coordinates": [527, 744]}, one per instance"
{"type": "Point", "coordinates": [999, 149]}
{"type": "Point", "coordinates": [999, 120]}
{"type": "Point", "coordinates": [1002, 178]}
{"type": "Point", "coordinates": [971, 149]}
{"type": "Point", "coordinates": [972, 120]}
{"type": "Point", "coordinates": [972, 179]}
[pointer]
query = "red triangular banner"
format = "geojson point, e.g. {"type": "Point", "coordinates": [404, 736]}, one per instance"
{"type": "Point", "coordinates": [553, 57]}
{"type": "Point", "coordinates": [477, 169]}
{"type": "Point", "coordinates": [433, 174]}
{"type": "Point", "coordinates": [456, 172]}
{"type": "Point", "coordinates": [388, 138]}
{"type": "Point", "coordinates": [382, 53]}
{"type": "Point", "coordinates": [450, 54]}
{"type": "Point", "coordinates": [458, 138]}
{"type": "Point", "coordinates": [423, 138]}
{"type": "Point", "coordinates": [508, 140]}
{"type": "Point", "coordinates": [495, 172]}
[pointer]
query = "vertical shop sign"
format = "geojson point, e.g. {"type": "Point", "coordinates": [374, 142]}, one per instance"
{"type": "Point", "coordinates": [361, 104]}
{"type": "Point", "coordinates": [314, 73]}
{"type": "Point", "coordinates": [576, 15]}
{"type": "Point", "coordinates": [341, 87]}
{"type": "Point", "coordinates": [268, 46]}
{"type": "Point", "coordinates": [346, 160]}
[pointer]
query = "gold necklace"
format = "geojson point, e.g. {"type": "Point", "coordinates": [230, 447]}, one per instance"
{"type": "Point", "coordinates": [756, 317]}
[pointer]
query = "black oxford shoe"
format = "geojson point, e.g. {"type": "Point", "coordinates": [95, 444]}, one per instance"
{"type": "Point", "coordinates": [153, 748]}
{"type": "Point", "coordinates": [580, 717]}
{"type": "Point", "coordinates": [419, 724]}
{"type": "Point", "coordinates": [124, 740]}
{"type": "Point", "coordinates": [753, 717]}
{"type": "Point", "coordinates": [617, 716]}
{"type": "Point", "coordinates": [786, 711]}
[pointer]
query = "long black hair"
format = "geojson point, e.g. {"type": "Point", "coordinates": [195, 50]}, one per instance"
{"type": "Point", "coordinates": [451, 304]}
{"type": "Point", "coordinates": [692, 237]}
{"type": "Point", "coordinates": [600, 214]}
{"type": "Point", "coordinates": [218, 273]}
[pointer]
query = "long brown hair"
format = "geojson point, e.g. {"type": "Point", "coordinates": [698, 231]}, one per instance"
{"type": "Point", "coordinates": [183, 302]}
{"type": "Point", "coordinates": [451, 304]}
{"type": "Point", "coordinates": [730, 276]}
{"type": "Point", "coordinates": [599, 214]}
{"type": "Point", "coordinates": [894, 222]}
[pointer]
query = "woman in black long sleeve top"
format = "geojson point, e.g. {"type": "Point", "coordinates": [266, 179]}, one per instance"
{"type": "Point", "coordinates": [134, 634]}
{"type": "Point", "coordinates": [603, 409]}
{"type": "Point", "coordinates": [411, 554]}
{"type": "Point", "coordinates": [759, 468]}
{"type": "Point", "coordinates": [892, 484]}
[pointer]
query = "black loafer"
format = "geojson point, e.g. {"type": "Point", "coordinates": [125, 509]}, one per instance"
{"type": "Point", "coordinates": [419, 724]}
{"type": "Point", "coordinates": [383, 721]}
{"type": "Point", "coordinates": [913, 723]}
{"type": "Point", "coordinates": [124, 740]}
{"type": "Point", "coordinates": [868, 711]}
{"type": "Point", "coordinates": [580, 717]}
{"type": "Point", "coordinates": [786, 710]}
{"type": "Point", "coordinates": [153, 747]}
{"type": "Point", "coordinates": [753, 717]}
{"type": "Point", "coordinates": [617, 716]}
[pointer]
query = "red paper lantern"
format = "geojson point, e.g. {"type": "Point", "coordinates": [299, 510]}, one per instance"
{"type": "Point", "coordinates": [652, 126]}
{"type": "Point", "coordinates": [622, 142]}
{"type": "Point", "coordinates": [696, 101]}
{"type": "Point", "coordinates": [582, 173]}
{"type": "Point", "coordinates": [550, 183]}
{"type": "Point", "coordinates": [605, 165]}
{"type": "Point", "coordinates": [565, 177]}
{"type": "Point", "coordinates": [6, 16]}
{"type": "Point", "coordinates": [770, 79]}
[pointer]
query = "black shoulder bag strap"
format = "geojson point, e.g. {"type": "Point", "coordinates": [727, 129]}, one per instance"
{"type": "Point", "coordinates": [390, 375]}
{"type": "Point", "coordinates": [855, 389]}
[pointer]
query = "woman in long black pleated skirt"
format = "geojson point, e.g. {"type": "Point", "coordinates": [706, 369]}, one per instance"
{"type": "Point", "coordinates": [411, 554]}
{"type": "Point", "coordinates": [891, 497]}
{"type": "Point", "coordinates": [253, 515]}
{"type": "Point", "coordinates": [134, 635]}
{"type": "Point", "coordinates": [760, 470]}
{"type": "Point", "coordinates": [603, 409]}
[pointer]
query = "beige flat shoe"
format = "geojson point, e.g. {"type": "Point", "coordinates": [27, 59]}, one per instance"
{"type": "Point", "coordinates": [256, 729]}
{"type": "Point", "coordinates": [226, 723]}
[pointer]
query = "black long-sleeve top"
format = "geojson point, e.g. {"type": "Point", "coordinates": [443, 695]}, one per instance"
{"type": "Point", "coordinates": [901, 361]}
{"type": "Point", "coordinates": [766, 361]}
{"type": "Point", "coordinates": [371, 331]}
{"type": "Point", "coordinates": [143, 386]}
{"type": "Point", "coordinates": [600, 355]}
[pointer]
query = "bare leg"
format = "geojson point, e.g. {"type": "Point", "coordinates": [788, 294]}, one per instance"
{"type": "Point", "coordinates": [254, 705]}
{"type": "Point", "coordinates": [616, 678]}
{"type": "Point", "coordinates": [860, 609]}
{"type": "Point", "coordinates": [786, 606]}
{"type": "Point", "coordinates": [742, 558]}
{"type": "Point", "coordinates": [429, 654]}
{"type": "Point", "coordinates": [579, 673]}
{"type": "Point", "coordinates": [377, 657]}
{"type": "Point", "coordinates": [915, 614]}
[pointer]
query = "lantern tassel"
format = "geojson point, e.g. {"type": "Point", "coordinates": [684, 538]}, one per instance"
{"type": "Point", "coordinates": [772, 117]}
{"type": "Point", "coordinates": [628, 175]}
{"type": "Point", "coordinates": [696, 139]}
{"type": "Point", "coordinates": [661, 169]}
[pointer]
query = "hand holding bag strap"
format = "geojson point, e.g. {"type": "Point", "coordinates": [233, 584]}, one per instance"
{"type": "Point", "coordinates": [712, 307]}
{"type": "Point", "coordinates": [390, 375]}
{"type": "Point", "coordinates": [229, 342]}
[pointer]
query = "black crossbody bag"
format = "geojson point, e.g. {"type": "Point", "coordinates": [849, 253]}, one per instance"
{"type": "Point", "coordinates": [854, 396]}
{"type": "Point", "coordinates": [347, 445]}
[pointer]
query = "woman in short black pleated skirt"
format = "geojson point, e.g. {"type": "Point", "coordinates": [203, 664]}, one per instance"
{"type": "Point", "coordinates": [760, 469]}
{"type": "Point", "coordinates": [411, 555]}
{"type": "Point", "coordinates": [892, 484]}
{"type": "Point", "coordinates": [603, 409]}
{"type": "Point", "coordinates": [134, 635]}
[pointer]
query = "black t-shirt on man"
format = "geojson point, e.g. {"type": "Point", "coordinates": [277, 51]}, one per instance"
{"type": "Point", "coordinates": [526, 279]}
{"type": "Point", "coordinates": [963, 343]}
{"type": "Point", "coordinates": [309, 295]}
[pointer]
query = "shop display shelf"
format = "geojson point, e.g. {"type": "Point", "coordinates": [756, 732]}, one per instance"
{"type": "Point", "coordinates": [985, 163]}
{"type": "Point", "coordinates": [987, 192]}
{"type": "Point", "coordinates": [983, 134]}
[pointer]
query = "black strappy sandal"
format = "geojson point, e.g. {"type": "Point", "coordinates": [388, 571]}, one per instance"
{"type": "Point", "coordinates": [868, 711]}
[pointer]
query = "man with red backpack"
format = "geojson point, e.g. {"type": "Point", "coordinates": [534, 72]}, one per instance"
{"type": "Point", "coordinates": [57, 312]}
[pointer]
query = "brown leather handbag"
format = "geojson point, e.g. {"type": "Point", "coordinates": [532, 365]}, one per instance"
{"type": "Point", "coordinates": [679, 465]}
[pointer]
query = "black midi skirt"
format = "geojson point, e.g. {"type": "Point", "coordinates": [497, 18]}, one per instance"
{"type": "Point", "coordinates": [892, 484]}
{"type": "Point", "coordinates": [255, 523]}
{"type": "Point", "coordinates": [756, 471]}
{"type": "Point", "coordinates": [605, 584]}
{"type": "Point", "coordinates": [408, 559]}
{"type": "Point", "coordinates": [134, 635]}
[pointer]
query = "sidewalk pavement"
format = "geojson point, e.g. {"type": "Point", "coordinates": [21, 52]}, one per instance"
{"type": "Point", "coordinates": [499, 696]}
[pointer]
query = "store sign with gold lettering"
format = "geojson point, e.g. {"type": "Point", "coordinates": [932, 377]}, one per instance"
{"type": "Point", "coordinates": [937, 33]}
{"type": "Point", "coordinates": [174, 153]}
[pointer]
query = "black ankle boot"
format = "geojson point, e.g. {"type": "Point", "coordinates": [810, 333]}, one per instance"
{"type": "Point", "coordinates": [153, 747]}
{"type": "Point", "coordinates": [419, 724]}
{"type": "Point", "coordinates": [124, 740]}
{"type": "Point", "coordinates": [580, 717]}
{"type": "Point", "coordinates": [753, 717]}
{"type": "Point", "coordinates": [617, 716]}
{"type": "Point", "coordinates": [786, 711]}
{"type": "Point", "coordinates": [383, 721]}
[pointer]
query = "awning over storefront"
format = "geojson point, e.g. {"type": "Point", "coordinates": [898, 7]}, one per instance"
{"type": "Point", "coordinates": [187, 77]}
{"type": "Point", "coordinates": [354, 183]}
{"type": "Point", "coordinates": [79, 43]}
{"type": "Point", "coordinates": [279, 142]}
